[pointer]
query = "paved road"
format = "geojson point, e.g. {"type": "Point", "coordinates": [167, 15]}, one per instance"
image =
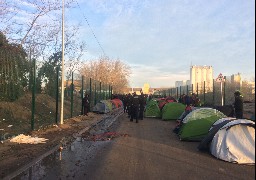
{"type": "Point", "coordinates": [151, 151]}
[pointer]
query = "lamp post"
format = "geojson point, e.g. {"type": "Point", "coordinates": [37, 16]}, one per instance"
{"type": "Point", "coordinates": [62, 72]}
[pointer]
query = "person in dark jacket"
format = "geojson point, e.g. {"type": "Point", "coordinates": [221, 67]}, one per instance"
{"type": "Point", "coordinates": [135, 107]}
{"type": "Point", "coordinates": [238, 105]}
{"type": "Point", "coordinates": [195, 100]}
{"type": "Point", "coordinates": [86, 104]}
{"type": "Point", "coordinates": [142, 102]}
{"type": "Point", "coordinates": [125, 97]}
{"type": "Point", "coordinates": [129, 105]}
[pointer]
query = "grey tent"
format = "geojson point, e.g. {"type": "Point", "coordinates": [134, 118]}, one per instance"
{"type": "Point", "coordinates": [101, 107]}
{"type": "Point", "coordinates": [204, 144]}
{"type": "Point", "coordinates": [234, 141]}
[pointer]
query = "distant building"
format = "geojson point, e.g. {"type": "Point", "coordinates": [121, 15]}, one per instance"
{"type": "Point", "coordinates": [188, 82]}
{"type": "Point", "coordinates": [228, 79]}
{"type": "Point", "coordinates": [236, 80]}
{"type": "Point", "coordinates": [146, 88]}
{"type": "Point", "coordinates": [199, 75]}
{"type": "Point", "coordinates": [180, 83]}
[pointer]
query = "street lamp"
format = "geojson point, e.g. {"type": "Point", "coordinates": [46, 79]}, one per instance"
{"type": "Point", "coordinates": [62, 72]}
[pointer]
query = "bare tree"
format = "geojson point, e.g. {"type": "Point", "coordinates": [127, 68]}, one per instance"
{"type": "Point", "coordinates": [36, 26]}
{"type": "Point", "coordinates": [112, 72]}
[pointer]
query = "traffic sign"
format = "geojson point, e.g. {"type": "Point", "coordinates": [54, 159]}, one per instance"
{"type": "Point", "coordinates": [220, 78]}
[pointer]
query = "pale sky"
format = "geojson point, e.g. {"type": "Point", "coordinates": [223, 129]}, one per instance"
{"type": "Point", "coordinates": [160, 39]}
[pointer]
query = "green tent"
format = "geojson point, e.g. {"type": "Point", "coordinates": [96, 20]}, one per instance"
{"type": "Point", "coordinates": [108, 104]}
{"type": "Point", "coordinates": [198, 122]}
{"type": "Point", "coordinates": [172, 110]}
{"type": "Point", "coordinates": [152, 109]}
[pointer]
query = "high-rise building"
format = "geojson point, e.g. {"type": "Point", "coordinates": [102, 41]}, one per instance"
{"type": "Point", "coordinates": [236, 80]}
{"type": "Point", "coordinates": [199, 75]}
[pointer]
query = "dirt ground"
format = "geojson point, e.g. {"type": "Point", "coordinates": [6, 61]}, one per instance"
{"type": "Point", "coordinates": [14, 155]}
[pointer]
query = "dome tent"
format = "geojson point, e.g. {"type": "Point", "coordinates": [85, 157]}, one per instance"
{"type": "Point", "coordinates": [235, 142]}
{"type": "Point", "coordinates": [172, 111]}
{"type": "Point", "coordinates": [101, 107]}
{"type": "Point", "coordinates": [204, 144]}
{"type": "Point", "coordinates": [198, 122]}
{"type": "Point", "coordinates": [108, 104]}
{"type": "Point", "coordinates": [117, 103]}
{"type": "Point", "coordinates": [152, 109]}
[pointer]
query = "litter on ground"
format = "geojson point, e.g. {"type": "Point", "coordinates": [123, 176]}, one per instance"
{"type": "Point", "coordinates": [28, 139]}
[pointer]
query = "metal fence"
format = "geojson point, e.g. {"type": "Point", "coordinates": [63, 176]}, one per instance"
{"type": "Point", "coordinates": [39, 107]}
{"type": "Point", "coordinates": [216, 94]}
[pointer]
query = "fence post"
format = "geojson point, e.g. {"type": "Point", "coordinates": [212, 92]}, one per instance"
{"type": "Point", "coordinates": [197, 89]}
{"type": "Point", "coordinates": [33, 95]}
{"type": "Point", "coordinates": [109, 91]}
{"type": "Point", "coordinates": [213, 93]}
{"type": "Point", "coordinates": [224, 91]}
{"type": "Point", "coordinates": [100, 91]}
{"type": "Point", "coordinates": [57, 95]}
{"type": "Point", "coordinates": [82, 96]}
{"type": "Point", "coordinates": [177, 92]}
{"type": "Point", "coordinates": [103, 88]}
{"type": "Point", "coordinates": [95, 94]}
{"type": "Point", "coordinates": [204, 92]}
{"type": "Point", "coordinates": [72, 90]}
{"type": "Point", "coordinates": [90, 98]}
{"type": "Point", "coordinates": [187, 89]}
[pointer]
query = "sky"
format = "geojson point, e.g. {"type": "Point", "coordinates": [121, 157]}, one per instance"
{"type": "Point", "coordinates": [161, 39]}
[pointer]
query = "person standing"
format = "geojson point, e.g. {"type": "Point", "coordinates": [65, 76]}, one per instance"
{"type": "Point", "coordinates": [125, 97]}
{"type": "Point", "coordinates": [135, 107]}
{"type": "Point", "coordinates": [238, 105]}
{"type": "Point", "coordinates": [129, 105]}
{"type": "Point", "coordinates": [142, 102]}
{"type": "Point", "coordinates": [195, 100]}
{"type": "Point", "coordinates": [86, 105]}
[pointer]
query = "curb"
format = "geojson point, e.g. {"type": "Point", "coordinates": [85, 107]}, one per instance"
{"type": "Point", "coordinates": [27, 166]}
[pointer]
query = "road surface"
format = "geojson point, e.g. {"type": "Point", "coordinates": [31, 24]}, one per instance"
{"type": "Point", "coordinates": [149, 150]}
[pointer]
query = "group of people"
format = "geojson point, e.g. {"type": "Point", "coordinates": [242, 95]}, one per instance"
{"type": "Point", "coordinates": [192, 100]}
{"type": "Point", "coordinates": [134, 105]}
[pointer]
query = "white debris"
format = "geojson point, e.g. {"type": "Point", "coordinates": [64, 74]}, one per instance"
{"type": "Point", "coordinates": [3, 119]}
{"type": "Point", "coordinates": [10, 126]}
{"type": "Point", "coordinates": [28, 139]}
{"type": "Point", "coordinates": [1, 129]}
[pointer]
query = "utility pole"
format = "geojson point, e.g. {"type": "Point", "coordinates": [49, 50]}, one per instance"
{"type": "Point", "coordinates": [62, 72]}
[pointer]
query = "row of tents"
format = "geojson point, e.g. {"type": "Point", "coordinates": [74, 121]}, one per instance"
{"type": "Point", "coordinates": [165, 108]}
{"type": "Point", "coordinates": [227, 138]}
{"type": "Point", "coordinates": [105, 106]}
